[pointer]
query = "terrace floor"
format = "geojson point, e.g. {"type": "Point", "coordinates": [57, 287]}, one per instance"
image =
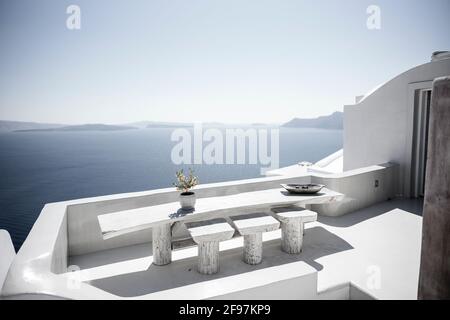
{"type": "Point", "coordinates": [376, 249]}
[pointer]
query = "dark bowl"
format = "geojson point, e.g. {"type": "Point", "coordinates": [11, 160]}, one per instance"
{"type": "Point", "coordinates": [309, 188]}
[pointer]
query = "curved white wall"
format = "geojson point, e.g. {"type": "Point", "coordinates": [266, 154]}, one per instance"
{"type": "Point", "coordinates": [378, 129]}
{"type": "Point", "coordinates": [7, 254]}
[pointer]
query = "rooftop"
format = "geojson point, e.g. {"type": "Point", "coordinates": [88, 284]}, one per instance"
{"type": "Point", "coordinates": [344, 256]}
{"type": "Point", "coordinates": [362, 249]}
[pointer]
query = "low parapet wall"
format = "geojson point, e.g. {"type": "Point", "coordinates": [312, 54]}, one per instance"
{"type": "Point", "coordinates": [7, 255]}
{"type": "Point", "coordinates": [362, 188]}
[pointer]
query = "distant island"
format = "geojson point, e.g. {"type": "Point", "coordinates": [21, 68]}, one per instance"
{"type": "Point", "coordinates": [21, 126]}
{"type": "Point", "coordinates": [10, 126]}
{"type": "Point", "coordinates": [168, 125]}
{"type": "Point", "coordinates": [333, 121]}
{"type": "Point", "coordinates": [84, 127]}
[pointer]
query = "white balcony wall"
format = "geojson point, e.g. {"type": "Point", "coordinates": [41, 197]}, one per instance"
{"type": "Point", "coordinates": [362, 188]}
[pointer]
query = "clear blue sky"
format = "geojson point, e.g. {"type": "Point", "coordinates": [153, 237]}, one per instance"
{"type": "Point", "coordinates": [205, 60]}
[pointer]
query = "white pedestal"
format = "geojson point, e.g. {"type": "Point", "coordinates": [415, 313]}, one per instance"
{"type": "Point", "coordinates": [162, 244]}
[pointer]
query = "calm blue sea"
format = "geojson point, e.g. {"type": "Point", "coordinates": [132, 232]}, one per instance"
{"type": "Point", "coordinates": [41, 167]}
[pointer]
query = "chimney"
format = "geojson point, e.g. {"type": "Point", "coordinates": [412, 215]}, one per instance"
{"type": "Point", "coordinates": [440, 55]}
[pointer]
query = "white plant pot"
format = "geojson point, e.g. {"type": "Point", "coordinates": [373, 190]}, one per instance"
{"type": "Point", "coordinates": [187, 200]}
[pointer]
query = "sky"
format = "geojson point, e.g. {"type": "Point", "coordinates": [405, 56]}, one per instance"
{"type": "Point", "coordinates": [232, 61]}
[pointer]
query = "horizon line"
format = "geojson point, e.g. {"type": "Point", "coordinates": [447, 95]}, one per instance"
{"type": "Point", "coordinates": [162, 121]}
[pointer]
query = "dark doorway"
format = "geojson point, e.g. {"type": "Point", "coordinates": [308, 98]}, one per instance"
{"type": "Point", "coordinates": [422, 103]}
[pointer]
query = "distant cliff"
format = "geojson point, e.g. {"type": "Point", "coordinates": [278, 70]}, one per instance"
{"type": "Point", "coordinates": [169, 125]}
{"type": "Point", "coordinates": [9, 126]}
{"type": "Point", "coordinates": [333, 121]}
{"type": "Point", "coordinates": [84, 127]}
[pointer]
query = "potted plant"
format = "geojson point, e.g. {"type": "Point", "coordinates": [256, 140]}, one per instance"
{"type": "Point", "coordinates": [185, 184]}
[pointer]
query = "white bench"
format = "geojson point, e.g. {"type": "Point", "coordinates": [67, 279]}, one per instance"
{"type": "Point", "coordinates": [292, 228]}
{"type": "Point", "coordinates": [207, 234]}
{"type": "Point", "coordinates": [251, 226]}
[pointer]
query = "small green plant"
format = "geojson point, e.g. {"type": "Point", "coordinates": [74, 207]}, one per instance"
{"type": "Point", "coordinates": [185, 183]}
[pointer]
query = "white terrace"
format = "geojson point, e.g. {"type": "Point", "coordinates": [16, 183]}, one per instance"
{"type": "Point", "coordinates": [343, 257]}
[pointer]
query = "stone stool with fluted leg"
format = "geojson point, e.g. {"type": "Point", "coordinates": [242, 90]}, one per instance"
{"type": "Point", "coordinates": [292, 229]}
{"type": "Point", "coordinates": [208, 234]}
{"type": "Point", "coordinates": [251, 226]}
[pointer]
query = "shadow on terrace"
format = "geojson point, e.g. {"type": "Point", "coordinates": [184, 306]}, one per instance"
{"type": "Point", "coordinates": [129, 271]}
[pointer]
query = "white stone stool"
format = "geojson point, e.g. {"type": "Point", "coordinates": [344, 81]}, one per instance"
{"type": "Point", "coordinates": [292, 226]}
{"type": "Point", "coordinates": [251, 226]}
{"type": "Point", "coordinates": [207, 234]}
{"type": "Point", "coordinates": [162, 244]}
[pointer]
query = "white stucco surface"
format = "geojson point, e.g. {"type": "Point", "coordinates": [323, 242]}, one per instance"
{"type": "Point", "coordinates": [338, 252]}
{"type": "Point", "coordinates": [7, 254]}
{"type": "Point", "coordinates": [386, 256]}
{"type": "Point", "coordinates": [377, 249]}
